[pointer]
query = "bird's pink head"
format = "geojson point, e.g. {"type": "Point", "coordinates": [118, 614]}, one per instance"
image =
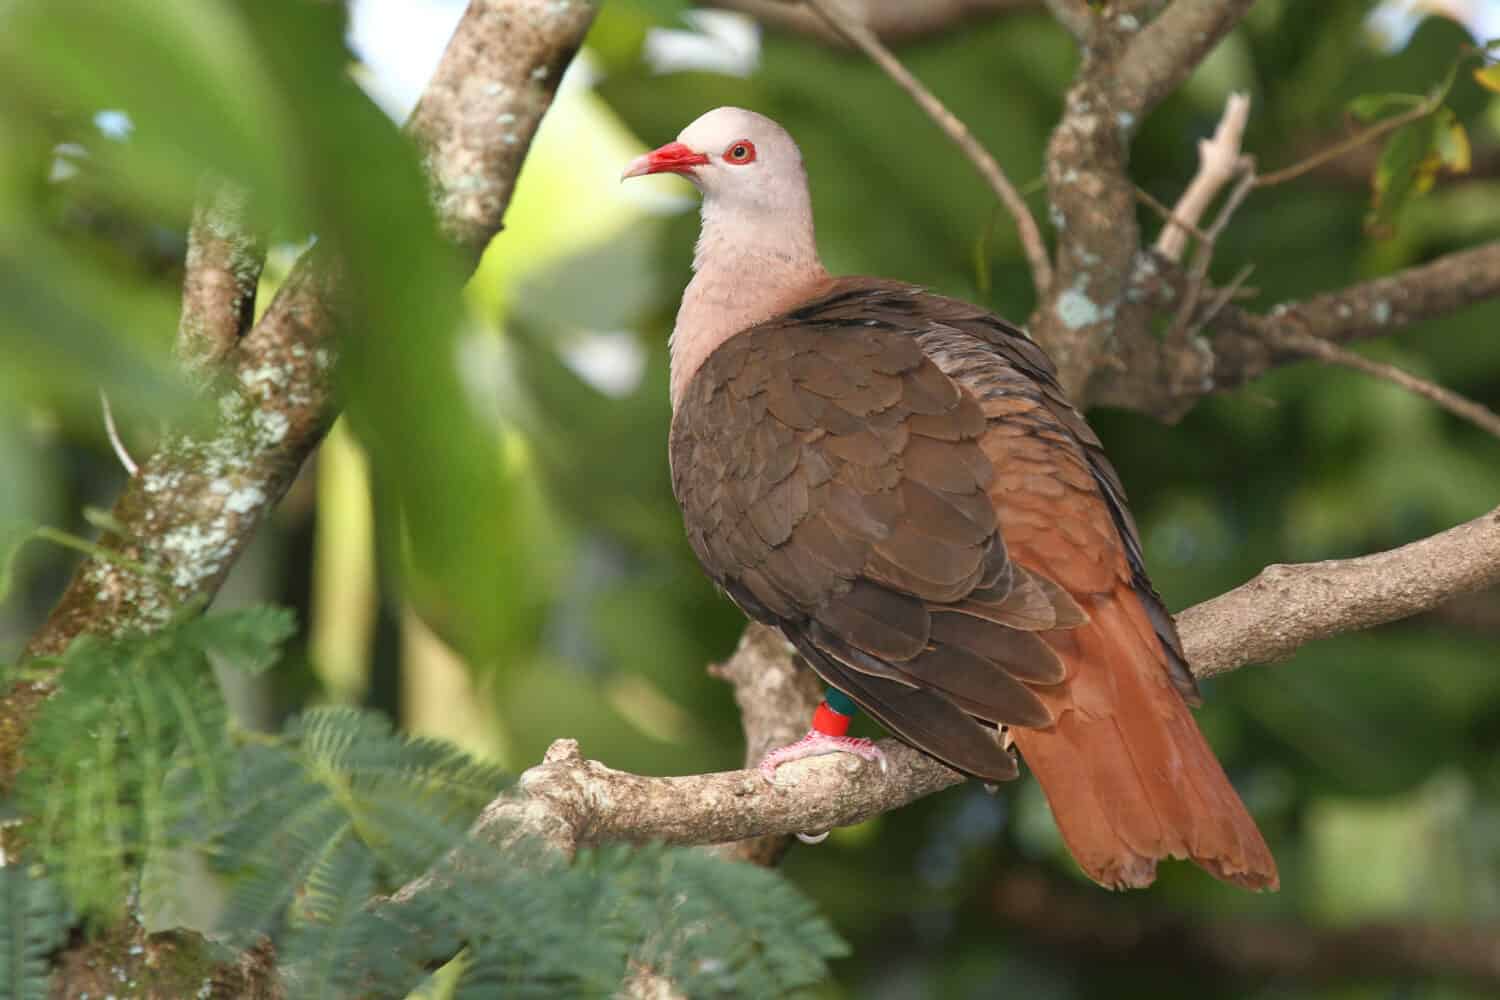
{"type": "Point", "coordinates": [756, 254]}
{"type": "Point", "coordinates": [735, 157]}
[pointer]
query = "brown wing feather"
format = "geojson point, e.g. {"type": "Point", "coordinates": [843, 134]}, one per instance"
{"type": "Point", "coordinates": [833, 482]}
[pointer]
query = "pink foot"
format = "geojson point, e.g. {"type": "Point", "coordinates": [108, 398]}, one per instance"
{"type": "Point", "coordinates": [815, 744]}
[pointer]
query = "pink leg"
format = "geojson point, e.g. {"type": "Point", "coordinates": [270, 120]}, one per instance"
{"type": "Point", "coordinates": [816, 744]}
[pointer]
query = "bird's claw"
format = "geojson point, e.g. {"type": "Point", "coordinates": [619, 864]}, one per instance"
{"type": "Point", "coordinates": [813, 838]}
{"type": "Point", "coordinates": [816, 744]}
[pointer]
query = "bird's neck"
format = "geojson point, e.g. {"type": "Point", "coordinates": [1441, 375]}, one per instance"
{"type": "Point", "coordinates": [744, 272]}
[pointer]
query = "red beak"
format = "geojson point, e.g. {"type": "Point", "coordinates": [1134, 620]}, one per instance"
{"type": "Point", "coordinates": [673, 158]}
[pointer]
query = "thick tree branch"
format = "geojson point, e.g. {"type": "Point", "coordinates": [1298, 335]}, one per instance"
{"type": "Point", "coordinates": [1159, 57]}
{"type": "Point", "coordinates": [483, 105]}
{"type": "Point", "coordinates": [1131, 61]}
{"type": "Point", "coordinates": [196, 502]}
{"type": "Point", "coordinates": [569, 801]}
{"type": "Point", "coordinates": [1095, 927]}
{"type": "Point", "coordinates": [224, 261]}
{"type": "Point", "coordinates": [194, 505]}
{"type": "Point", "coordinates": [1245, 344]}
{"type": "Point", "coordinates": [1168, 380]}
{"type": "Point", "coordinates": [1075, 15]}
{"type": "Point", "coordinates": [892, 20]}
{"type": "Point", "coordinates": [1286, 607]}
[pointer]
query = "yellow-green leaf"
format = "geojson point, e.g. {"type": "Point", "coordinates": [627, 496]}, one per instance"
{"type": "Point", "coordinates": [1488, 77]}
{"type": "Point", "coordinates": [1453, 145]}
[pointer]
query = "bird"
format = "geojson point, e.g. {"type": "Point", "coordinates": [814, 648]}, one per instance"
{"type": "Point", "coordinates": [896, 480]}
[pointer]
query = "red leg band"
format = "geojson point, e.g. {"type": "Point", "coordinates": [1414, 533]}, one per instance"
{"type": "Point", "coordinates": [828, 722]}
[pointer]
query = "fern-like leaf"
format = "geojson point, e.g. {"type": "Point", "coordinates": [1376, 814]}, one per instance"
{"type": "Point", "coordinates": [339, 780]}
{"type": "Point", "coordinates": [33, 924]}
{"type": "Point", "coordinates": [712, 928]}
{"type": "Point", "coordinates": [127, 713]}
{"type": "Point", "coordinates": [325, 947]}
{"type": "Point", "coordinates": [733, 930]}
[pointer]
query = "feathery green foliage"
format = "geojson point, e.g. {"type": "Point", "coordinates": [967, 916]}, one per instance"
{"type": "Point", "coordinates": [33, 922]}
{"type": "Point", "coordinates": [536, 927]}
{"type": "Point", "coordinates": [128, 712]}
{"type": "Point", "coordinates": [134, 757]}
{"type": "Point", "coordinates": [339, 789]}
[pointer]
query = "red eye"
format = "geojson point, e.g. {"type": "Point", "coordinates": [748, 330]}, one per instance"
{"type": "Point", "coordinates": [740, 152]}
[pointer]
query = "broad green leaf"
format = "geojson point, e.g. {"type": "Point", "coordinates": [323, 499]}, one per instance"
{"type": "Point", "coordinates": [1488, 77]}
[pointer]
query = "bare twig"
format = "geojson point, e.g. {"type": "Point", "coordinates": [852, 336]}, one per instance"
{"type": "Point", "coordinates": [1465, 409]}
{"type": "Point", "coordinates": [1358, 139]}
{"type": "Point", "coordinates": [121, 452]}
{"type": "Point", "coordinates": [1167, 216]}
{"type": "Point", "coordinates": [1218, 162]}
{"type": "Point", "coordinates": [865, 40]}
{"type": "Point", "coordinates": [1183, 325]}
{"type": "Point", "coordinates": [1222, 296]}
{"type": "Point", "coordinates": [892, 20]}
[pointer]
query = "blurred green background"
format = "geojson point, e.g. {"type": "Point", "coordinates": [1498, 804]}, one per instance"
{"type": "Point", "coordinates": [1369, 760]}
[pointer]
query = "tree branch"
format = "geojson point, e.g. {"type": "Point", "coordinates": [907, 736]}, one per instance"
{"type": "Point", "coordinates": [1166, 381]}
{"type": "Point", "coordinates": [224, 261]}
{"type": "Point", "coordinates": [1244, 346]}
{"type": "Point", "coordinates": [195, 504]}
{"type": "Point", "coordinates": [484, 103]}
{"type": "Point", "coordinates": [1131, 61]}
{"type": "Point", "coordinates": [1286, 607]}
{"type": "Point", "coordinates": [198, 500]}
{"type": "Point", "coordinates": [569, 802]}
{"type": "Point", "coordinates": [1091, 925]}
{"type": "Point", "coordinates": [1159, 57]}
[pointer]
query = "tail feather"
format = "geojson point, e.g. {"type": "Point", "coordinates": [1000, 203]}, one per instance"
{"type": "Point", "coordinates": [1128, 775]}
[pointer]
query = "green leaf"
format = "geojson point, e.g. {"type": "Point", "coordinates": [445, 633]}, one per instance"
{"type": "Point", "coordinates": [33, 923]}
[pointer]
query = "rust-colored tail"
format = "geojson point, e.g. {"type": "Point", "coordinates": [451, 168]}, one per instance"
{"type": "Point", "coordinates": [1129, 777]}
